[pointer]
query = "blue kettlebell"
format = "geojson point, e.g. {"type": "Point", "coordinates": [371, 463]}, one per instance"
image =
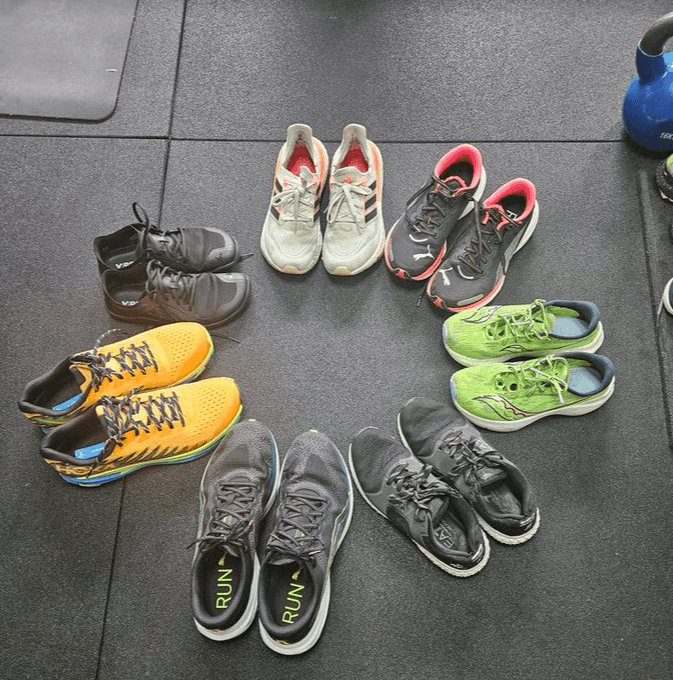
{"type": "Point", "coordinates": [648, 104]}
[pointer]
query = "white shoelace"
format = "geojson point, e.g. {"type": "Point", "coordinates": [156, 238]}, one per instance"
{"type": "Point", "coordinates": [346, 204]}
{"type": "Point", "coordinates": [297, 200]}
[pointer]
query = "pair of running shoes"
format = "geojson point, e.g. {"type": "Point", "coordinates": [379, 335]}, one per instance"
{"type": "Point", "coordinates": [114, 409]}
{"type": "Point", "coordinates": [464, 261]}
{"type": "Point", "coordinates": [291, 240]}
{"type": "Point", "coordinates": [527, 362]}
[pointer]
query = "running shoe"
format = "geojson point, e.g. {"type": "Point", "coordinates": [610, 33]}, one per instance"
{"type": "Point", "coordinates": [157, 358]}
{"type": "Point", "coordinates": [497, 490]}
{"type": "Point", "coordinates": [189, 249]}
{"type": "Point", "coordinates": [238, 487]}
{"type": "Point", "coordinates": [155, 294]}
{"type": "Point", "coordinates": [405, 490]}
{"type": "Point", "coordinates": [291, 240]}
{"type": "Point", "coordinates": [664, 178]}
{"type": "Point", "coordinates": [355, 233]}
{"type": "Point", "coordinates": [118, 436]}
{"type": "Point", "coordinates": [500, 333]}
{"type": "Point", "coordinates": [307, 527]}
{"type": "Point", "coordinates": [418, 241]}
{"type": "Point", "coordinates": [508, 396]}
{"type": "Point", "coordinates": [474, 269]}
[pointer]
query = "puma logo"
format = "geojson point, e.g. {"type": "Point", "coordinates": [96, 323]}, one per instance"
{"type": "Point", "coordinates": [420, 256]}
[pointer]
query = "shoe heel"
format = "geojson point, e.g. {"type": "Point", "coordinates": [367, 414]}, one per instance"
{"type": "Point", "coordinates": [530, 228]}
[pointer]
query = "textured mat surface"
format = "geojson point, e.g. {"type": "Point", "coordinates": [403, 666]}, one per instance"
{"type": "Point", "coordinates": [418, 70]}
{"type": "Point", "coordinates": [63, 60]}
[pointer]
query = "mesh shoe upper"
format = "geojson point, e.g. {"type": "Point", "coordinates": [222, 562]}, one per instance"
{"type": "Point", "coordinates": [118, 436]}
{"type": "Point", "coordinates": [417, 242]}
{"type": "Point", "coordinates": [441, 437]}
{"type": "Point", "coordinates": [423, 507]}
{"type": "Point", "coordinates": [306, 528]}
{"type": "Point", "coordinates": [156, 293]}
{"type": "Point", "coordinates": [160, 357]}
{"type": "Point", "coordinates": [237, 488]}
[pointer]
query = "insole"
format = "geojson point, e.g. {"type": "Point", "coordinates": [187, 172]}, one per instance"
{"type": "Point", "coordinates": [222, 578]}
{"type": "Point", "coordinates": [128, 295]}
{"type": "Point", "coordinates": [122, 256]}
{"type": "Point", "coordinates": [513, 205]}
{"type": "Point", "coordinates": [499, 497]}
{"type": "Point", "coordinates": [299, 159]}
{"type": "Point", "coordinates": [463, 170]}
{"type": "Point", "coordinates": [291, 589]}
{"type": "Point", "coordinates": [354, 158]}
{"type": "Point", "coordinates": [91, 451]}
{"type": "Point", "coordinates": [451, 534]}
{"type": "Point", "coordinates": [569, 327]}
{"type": "Point", "coordinates": [584, 380]}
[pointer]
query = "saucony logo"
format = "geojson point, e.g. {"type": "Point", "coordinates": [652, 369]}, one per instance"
{"type": "Point", "coordinates": [294, 599]}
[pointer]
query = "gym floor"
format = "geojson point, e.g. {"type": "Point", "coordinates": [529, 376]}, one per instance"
{"type": "Point", "coordinates": [95, 582]}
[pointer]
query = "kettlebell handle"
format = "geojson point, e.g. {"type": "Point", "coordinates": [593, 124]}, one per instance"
{"type": "Point", "coordinates": [656, 35]}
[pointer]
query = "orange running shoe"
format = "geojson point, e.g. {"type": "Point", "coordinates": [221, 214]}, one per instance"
{"type": "Point", "coordinates": [119, 436]}
{"type": "Point", "coordinates": [163, 356]}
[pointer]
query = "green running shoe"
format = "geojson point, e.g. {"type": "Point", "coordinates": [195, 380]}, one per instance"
{"type": "Point", "coordinates": [503, 332]}
{"type": "Point", "coordinates": [507, 397]}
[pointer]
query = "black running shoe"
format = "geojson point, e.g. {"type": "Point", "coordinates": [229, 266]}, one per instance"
{"type": "Point", "coordinates": [474, 270]}
{"type": "Point", "coordinates": [664, 178]}
{"type": "Point", "coordinates": [417, 242]}
{"type": "Point", "coordinates": [439, 436]}
{"type": "Point", "coordinates": [431, 513]}
{"type": "Point", "coordinates": [238, 487]}
{"type": "Point", "coordinates": [156, 294]}
{"type": "Point", "coordinates": [307, 527]}
{"type": "Point", "coordinates": [189, 249]}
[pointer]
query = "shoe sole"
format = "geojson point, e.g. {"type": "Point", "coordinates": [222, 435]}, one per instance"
{"type": "Point", "coordinates": [401, 273]}
{"type": "Point", "coordinates": [528, 232]}
{"type": "Point", "coordinates": [303, 645]}
{"type": "Point", "coordinates": [461, 573]}
{"type": "Point", "coordinates": [175, 460]}
{"type": "Point", "coordinates": [590, 347]}
{"type": "Point", "coordinates": [250, 612]}
{"type": "Point", "coordinates": [292, 269]}
{"type": "Point", "coordinates": [578, 409]}
{"type": "Point", "coordinates": [508, 539]}
{"type": "Point", "coordinates": [343, 270]}
{"type": "Point", "coordinates": [666, 297]}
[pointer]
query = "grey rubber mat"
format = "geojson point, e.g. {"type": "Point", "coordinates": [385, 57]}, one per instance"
{"type": "Point", "coordinates": [65, 59]}
{"type": "Point", "coordinates": [418, 71]}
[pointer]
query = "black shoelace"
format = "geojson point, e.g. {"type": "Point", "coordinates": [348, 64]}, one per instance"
{"type": "Point", "coordinates": [487, 235]}
{"type": "Point", "coordinates": [414, 487]}
{"type": "Point", "coordinates": [426, 222]}
{"type": "Point", "coordinates": [232, 519]}
{"type": "Point", "coordinates": [296, 535]}
{"type": "Point", "coordinates": [178, 285]}
{"type": "Point", "coordinates": [469, 455]}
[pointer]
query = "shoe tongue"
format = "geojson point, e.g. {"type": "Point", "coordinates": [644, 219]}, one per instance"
{"type": "Point", "coordinates": [489, 475]}
{"type": "Point", "coordinates": [160, 241]}
{"type": "Point", "coordinates": [349, 175]}
{"type": "Point", "coordinates": [82, 375]}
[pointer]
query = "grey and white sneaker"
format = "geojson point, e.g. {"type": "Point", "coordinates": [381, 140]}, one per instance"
{"type": "Point", "coordinates": [291, 239]}
{"type": "Point", "coordinates": [355, 234]}
{"type": "Point", "coordinates": [239, 485]}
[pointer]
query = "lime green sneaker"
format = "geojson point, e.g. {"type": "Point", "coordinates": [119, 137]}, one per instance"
{"type": "Point", "coordinates": [507, 397]}
{"type": "Point", "coordinates": [503, 332]}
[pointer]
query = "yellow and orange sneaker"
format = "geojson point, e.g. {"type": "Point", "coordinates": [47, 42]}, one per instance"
{"type": "Point", "coordinates": [163, 356]}
{"type": "Point", "coordinates": [119, 436]}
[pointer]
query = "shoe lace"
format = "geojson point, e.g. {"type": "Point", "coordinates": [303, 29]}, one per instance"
{"type": "Point", "coordinates": [177, 284]}
{"type": "Point", "coordinates": [490, 226]}
{"type": "Point", "coordinates": [414, 487]}
{"type": "Point", "coordinates": [296, 535]}
{"type": "Point", "coordinates": [169, 242]}
{"type": "Point", "coordinates": [426, 222]}
{"type": "Point", "coordinates": [346, 204]}
{"type": "Point", "coordinates": [129, 359]}
{"type": "Point", "coordinates": [298, 198]}
{"type": "Point", "coordinates": [232, 515]}
{"type": "Point", "coordinates": [527, 323]}
{"type": "Point", "coordinates": [468, 455]}
{"type": "Point", "coordinates": [541, 376]}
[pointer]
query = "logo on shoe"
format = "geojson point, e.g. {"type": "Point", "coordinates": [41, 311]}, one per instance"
{"type": "Point", "coordinates": [294, 595]}
{"type": "Point", "coordinates": [224, 585]}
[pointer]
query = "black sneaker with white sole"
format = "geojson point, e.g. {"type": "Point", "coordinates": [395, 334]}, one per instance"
{"type": "Point", "coordinates": [238, 487]}
{"type": "Point", "coordinates": [497, 490]}
{"type": "Point", "coordinates": [306, 529]}
{"type": "Point", "coordinates": [424, 508]}
{"type": "Point", "coordinates": [188, 249]}
{"type": "Point", "coordinates": [417, 242]}
{"type": "Point", "coordinates": [473, 272]}
{"type": "Point", "coordinates": [155, 294]}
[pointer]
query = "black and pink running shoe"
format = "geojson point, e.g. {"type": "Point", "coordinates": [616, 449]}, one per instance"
{"type": "Point", "coordinates": [474, 270]}
{"type": "Point", "coordinates": [417, 242]}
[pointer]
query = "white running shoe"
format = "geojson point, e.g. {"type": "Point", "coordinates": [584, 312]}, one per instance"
{"type": "Point", "coordinates": [291, 240]}
{"type": "Point", "coordinates": [355, 234]}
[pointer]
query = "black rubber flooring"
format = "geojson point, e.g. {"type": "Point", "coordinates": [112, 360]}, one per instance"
{"type": "Point", "coordinates": [95, 582]}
